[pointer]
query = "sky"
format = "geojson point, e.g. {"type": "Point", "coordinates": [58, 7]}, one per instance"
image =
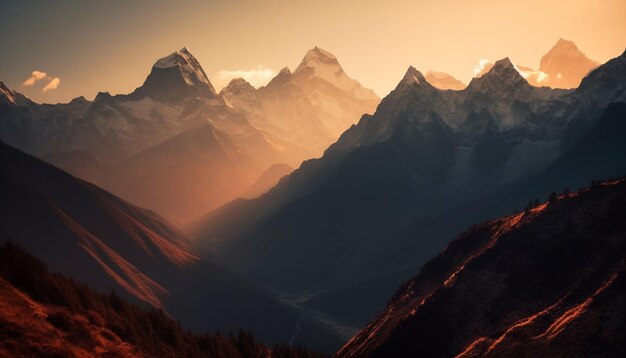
{"type": "Point", "coordinates": [83, 47]}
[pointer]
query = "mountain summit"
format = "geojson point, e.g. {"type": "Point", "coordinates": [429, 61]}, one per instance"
{"type": "Point", "coordinates": [503, 74]}
{"type": "Point", "coordinates": [175, 77]}
{"type": "Point", "coordinates": [566, 65]}
{"type": "Point", "coordinates": [309, 107]}
{"type": "Point", "coordinates": [321, 64]}
{"type": "Point", "coordinates": [412, 76]}
{"type": "Point", "coordinates": [317, 56]}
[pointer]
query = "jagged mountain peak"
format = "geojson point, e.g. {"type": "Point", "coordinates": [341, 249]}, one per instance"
{"type": "Point", "coordinates": [565, 46]}
{"type": "Point", "coordinates": [79, 99]}
{"type": "Point", "coordinates": [503, 73]}
{"type": "Point", "coordinates": [176, 76]}
{"type": "Point", "coordinates": [319, 64]}
{"type": "Point", "coordinates": [566, 65]}
{"type": "Point", "coordinates": [284, 71]}
{"type": "Point", "coordinates": [237, 85]}
{"type": "Point", "coordinates": [413, 76]}
{"type": "Point", "coordinates": [317, 57]}
{"type": "Point", "coordinates": [102, 96]}
{"type": "Point", "coordinates": [11, 97]}
{"type": "Point", "coordinates": [176, 58]}
{"type": "Point", "coordinates": [283, 76]}
{"type": "Point", "coordinates": [502, 65]}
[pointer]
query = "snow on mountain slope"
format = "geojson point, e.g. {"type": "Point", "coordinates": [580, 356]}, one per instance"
{"type": "Point", "coordinates": [310, 107]}
{"type": "Point", "coordinates": [319, 63]}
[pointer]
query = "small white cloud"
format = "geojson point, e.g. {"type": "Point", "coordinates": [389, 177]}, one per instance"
{"type": "Point", "coordinates": [34, 77]}
{"type": "Point", "coordinates": [257, 77]}
{"type": "Point", "coordinates": [532, 76]}
{"type": "Point", "coordinates": [53, 84]}
{"type": "Point", "coordinates": [480, 67]}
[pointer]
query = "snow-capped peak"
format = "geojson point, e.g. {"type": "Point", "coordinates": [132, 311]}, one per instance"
{"type": "Point", "coordinates": [318, 54]}
{"type": "Point", "coordinates": [174, 59]}
{"type": "Point", "coordinates": [317, 58]}
{"type": "Point", "coordinates": [321, 64]}
{"type": "Point", "coordinates": [190, 67]}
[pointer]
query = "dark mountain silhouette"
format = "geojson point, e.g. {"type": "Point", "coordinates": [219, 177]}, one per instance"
{"type": "Point", "coordinates": [87, 233]}
{"type": "Point", "coordinates": [548, 281]}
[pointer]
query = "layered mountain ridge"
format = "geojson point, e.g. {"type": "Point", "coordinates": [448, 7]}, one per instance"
{"type": "Point", "coordinates": [422, 163]}
{"type": "Point", "coordinates": [293, 118]}
{"type": "Point", "coordinates": [312, 106]}
{"type": "Point", "coordinates": [92, 236]}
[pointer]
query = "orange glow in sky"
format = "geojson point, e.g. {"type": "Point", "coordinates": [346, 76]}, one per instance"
{"type": "Point", "coordinates": [111, 46]}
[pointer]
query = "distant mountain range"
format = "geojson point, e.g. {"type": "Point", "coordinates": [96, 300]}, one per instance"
{"type": "Point", "coordinates": [396, 187]}
{"type": "Point", "coordinates": [143, 145]}
{"type": "Point", "coordinates": [311, 106]}
{"type": "Point", "coordinates": [564, 66]}
{"type": "Point", "coordinates": [549, 281]}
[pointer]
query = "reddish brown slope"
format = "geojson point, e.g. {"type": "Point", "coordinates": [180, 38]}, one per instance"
{"type": "Point", "coordinates": [84, 231]}
{"type": "Point", "coordinates": [549, 282]}
{"type": "Point", "coordinates": [44, 314]}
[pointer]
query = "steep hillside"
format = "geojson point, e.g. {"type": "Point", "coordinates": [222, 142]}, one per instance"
{"type": "Point", "coordinates": [46, 314]}
{"type": "Point", "coordinates": [112, 244]}
{"type": "Point", "coordinates": [548, 281]}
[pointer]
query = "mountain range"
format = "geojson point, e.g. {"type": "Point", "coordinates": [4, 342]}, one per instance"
{"type": "Point", "coordinates": [144, 143]}
{"type": "Point", "coordinates": [396, 187]}
{"type": "Point", "coordinates": [564, 66]}
{"type": "Point", "coordinates": [311, 255]}
{"type": "Point", "coordinates": [311, 106]}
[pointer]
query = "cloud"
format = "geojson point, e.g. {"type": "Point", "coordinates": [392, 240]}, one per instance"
{"type": "Point", "coordinates": [53, 84]}
{"type": "Point", "coordinates": [34, 77]}
{"type": "Point", "coordinates": [257, 77]}
{"type": "Point", "coordinates": [482, 67]}
{"type": "Point", "coordinates": [535, 76]}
